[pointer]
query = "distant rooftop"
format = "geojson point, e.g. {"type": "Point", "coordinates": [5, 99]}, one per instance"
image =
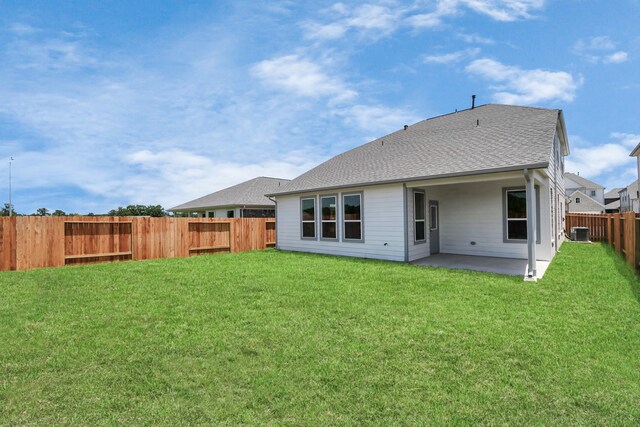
{"type": "Point", "coordinates": [248, 193]}
{"type": "Point", "coordinates": [613, 193]}
{"type": "Point", "coordinates": [583, 182]}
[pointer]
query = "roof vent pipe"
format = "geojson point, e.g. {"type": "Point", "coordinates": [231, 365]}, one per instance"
{"type": "Point", "coordinates": [473, 102]}
{"type": "Point", "coordinates": [405, 127]}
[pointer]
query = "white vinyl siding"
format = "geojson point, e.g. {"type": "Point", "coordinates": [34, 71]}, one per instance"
{"type": "Point", "coordinates": [382, 224]}
{"type": "Point", "coordinates": [471, 220]}
{"type": "Point", "coordinates": [581, 203]}
{"type": "Point", "coordinates": [556, 209]}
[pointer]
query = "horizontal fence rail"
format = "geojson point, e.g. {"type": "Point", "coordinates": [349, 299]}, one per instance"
{"type": "Point", "coordinates": [29, 242]}
{"type": "Point", "coordinates": [622, 231]}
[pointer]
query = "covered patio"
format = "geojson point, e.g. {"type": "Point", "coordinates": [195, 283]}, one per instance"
{"type": "Point", "coordinates": [507, 266]}
{"type": "Point", "coordinates": [490, 222]}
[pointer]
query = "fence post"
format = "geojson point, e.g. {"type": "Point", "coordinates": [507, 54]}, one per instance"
{"type": "Point", "coordinates": [636, 251]}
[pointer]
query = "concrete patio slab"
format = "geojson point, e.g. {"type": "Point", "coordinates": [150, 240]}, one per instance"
{"type": "Point", "coordinates": [508, 266]}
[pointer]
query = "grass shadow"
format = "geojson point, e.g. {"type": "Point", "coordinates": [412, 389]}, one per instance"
{"type": "Point", "coordinates": [625, 270]}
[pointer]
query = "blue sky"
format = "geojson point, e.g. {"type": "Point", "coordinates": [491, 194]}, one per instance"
{"type": "Point", "coordinates": [104, 104]}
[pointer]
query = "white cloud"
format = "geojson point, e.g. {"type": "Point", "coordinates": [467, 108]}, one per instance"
{"type": "Point", "coordinates": [375, 20]}
{"type": "Point", "coordinates": [475, 39]}
{"type": "Point", "coordinates": [448, 58]}
{"type": "Point", "coordinates": [616, 58]}
{"type": "Point", "coordinates": [301, 77]}
{"type": "Point", "coordinates": [629, 140]}
{"type": "Point", "coordinates": [372, 20]}
{"type": "Point", "coordinates": [172, 168]}
{"type": "Point", "coordinates": [176, 123]}
{"type": "Point", "coordinates": [377, 119]}
{"type": "Point", "coordinates": [503, 10]}
{"type": "Point", "coordinates": [22, 29]}
{"type": "Point", "coordinates": [599, 49]}
{"type": "Point", "coordinates": [331, 31]}
{"type": "Point", "coordinates": [514, 85]}
{"type": "Point", "coordinates": [607, 163]}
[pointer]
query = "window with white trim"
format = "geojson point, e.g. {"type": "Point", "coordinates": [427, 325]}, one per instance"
{"type": "Point", "coordinates": [352, 217]}
{"type": "Point", "coordinates": [516, 214]}
{"type": "Point", "coordinates": [578, 200]}
{"type": "Point", "coordinates": [329, 219]}
{"type": "Point", "coordinates": [308, 218]}
{"type": "Point", "coordinates": [419, 213]}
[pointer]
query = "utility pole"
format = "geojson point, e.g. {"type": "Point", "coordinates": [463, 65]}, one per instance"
{"type": "Point", "coordinates": [10, 205]}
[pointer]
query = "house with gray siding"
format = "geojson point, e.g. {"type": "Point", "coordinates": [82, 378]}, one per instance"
{"type": "Point", "coordinates": [574, 182]}
{"type": "Point", "coordinates": [580, 202]}
{"type": "Point", "coordinates": [612, 200]}
{"type": "Point", "coordinates": [244, 200]}
{"type": "Point", "coordinates": [487, 181]}
{"type": "Point", "coordinates": [630, 198]}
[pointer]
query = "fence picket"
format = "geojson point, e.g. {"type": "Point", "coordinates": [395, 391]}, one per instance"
{"type": "Point", "coordinates": [33, 242]}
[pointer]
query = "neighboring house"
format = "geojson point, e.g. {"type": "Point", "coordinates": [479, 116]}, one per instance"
{"type": "Point", "coordinates": [636, 153]}
{"type": "Point", "coordinates": [245, 200]}
{"type": "Point", "coordinates": [574, 182]}
{"type": "Point", "coordinates": [612, 200]}
{"type": "Point", "coordinates": [486, 181]}
{"type": "Point", "coordinates": [629, 198]}
{"type": "Point", "coordinates": [579, 202]}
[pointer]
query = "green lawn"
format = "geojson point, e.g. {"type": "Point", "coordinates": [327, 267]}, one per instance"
{"type": "Point", "coordinates": [295, 339]}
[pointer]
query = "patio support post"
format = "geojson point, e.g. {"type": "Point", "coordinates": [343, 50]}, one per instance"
{"type": "Point", "coordinates": [531, 224]}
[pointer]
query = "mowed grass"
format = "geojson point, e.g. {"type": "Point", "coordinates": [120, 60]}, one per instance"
{"type": "Point", "coordinates": [274, 338]}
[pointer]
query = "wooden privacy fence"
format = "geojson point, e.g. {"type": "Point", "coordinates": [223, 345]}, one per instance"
{"type": "Point", "coordinates": [622, 231]}
{"type": "Point", "coordinates": [30, 242]}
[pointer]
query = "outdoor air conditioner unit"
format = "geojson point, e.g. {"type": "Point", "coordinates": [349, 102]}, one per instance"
{"type": "Point", "coordinates": [580, 234]}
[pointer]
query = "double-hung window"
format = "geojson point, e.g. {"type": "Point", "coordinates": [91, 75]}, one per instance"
{"type": "Point", "coordinates": [308, 217]}
{"type": "Point", "coordinates": [352, 217]}
{"type": "Point", "coordinates": [419, 213]}
{"type": "Point", "coordinates": [516, 214]}
{"type": "Point", "coordinates": [329, 220]}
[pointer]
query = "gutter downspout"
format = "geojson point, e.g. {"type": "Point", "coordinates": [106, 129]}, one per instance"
{"type": "Point", "coordinates": [275, 202]}
{"type": "Point", "coordinates": [531, 225]}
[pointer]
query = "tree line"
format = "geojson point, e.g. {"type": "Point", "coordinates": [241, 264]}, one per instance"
{"type": "Point", "coordinates": [131, 210]}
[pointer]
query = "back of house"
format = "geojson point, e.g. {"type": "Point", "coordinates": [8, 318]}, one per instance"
{"type": "Point", "coordinates": [486, 181]}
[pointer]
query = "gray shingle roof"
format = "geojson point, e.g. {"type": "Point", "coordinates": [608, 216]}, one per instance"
{"type": "Point", "coordinates": [248, 193]}
{"type": "Point", "coordinates": [582, 181]}
{"type": "Point", "coordinates": [489, 137]}
{"type": "Point", "coordinates": [613, 205]}
{"type": "Point", "coordinates": [613, 193]}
